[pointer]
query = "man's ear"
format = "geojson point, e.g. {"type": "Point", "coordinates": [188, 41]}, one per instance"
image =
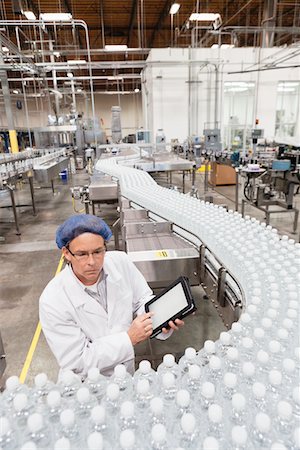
{"type": "Point", "coordinates": [66, 254]}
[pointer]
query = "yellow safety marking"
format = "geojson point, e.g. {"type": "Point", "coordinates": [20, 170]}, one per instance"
{"type": "Point", "coordinates": [162, 254]}
{"type": "Point", "coordinates": [202, 168]}
{"type": "Point", "coordinates": [36, 337]}
{"type": "Point", "coordinates": [14, 146]}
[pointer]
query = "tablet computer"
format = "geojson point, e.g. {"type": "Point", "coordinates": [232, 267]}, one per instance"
{"type": "Point", "coordinates": [174, 302]}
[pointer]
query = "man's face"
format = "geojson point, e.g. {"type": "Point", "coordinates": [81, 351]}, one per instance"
{"type": "Point", "coordinates": [86, 255]}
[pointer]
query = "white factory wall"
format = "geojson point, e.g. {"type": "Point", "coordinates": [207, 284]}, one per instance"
{"type": "Point", "coordinates": [183, 103]}
{"type": "Point", "coordinates": [38, 110]}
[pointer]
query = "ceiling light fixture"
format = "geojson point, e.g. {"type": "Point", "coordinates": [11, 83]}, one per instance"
{"type": "Point", "coordinates": [116, 48]}
{"type": "Point", "coordinates": [5, 49]}
{"type": "Point", "coordinates": [15, 91]}
{"type": "Point", "coordinates": [56, 17]}
{"type": "Point", "coordinates": [57, 54]}
{"type": "Point", "coordinates": [70, 75]}
{"type": "Point", "coordinates": [76, 61]}
{"type": "Point", "coordinates": [29, 15]}
{"type": "Point", "coordinates": [174, 8]}
{"type": "Point", "coordinates": [136, 90]}
{"type": "Point", "coordinates": [204, 17]}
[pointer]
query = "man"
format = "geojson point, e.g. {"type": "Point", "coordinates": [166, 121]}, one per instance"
{"type": "Point", "coordinates": [92, 313]}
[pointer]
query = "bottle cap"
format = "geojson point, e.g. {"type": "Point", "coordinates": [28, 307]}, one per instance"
{"type": "Point", "coordinates": [40, 380]}
{"type": "Point", "coordinates": [127, 439]}
{"type": "Point", "coordinates": [274, 347]}
{"type": "Point", "coordinates": [252, 310]}
{"type": "Point", "coordinates": [209, 347]}
{"type": "Point", "coordinates": [145, 367]}
{"type": "Point", "coordinates": [30, 445]}
{"type": "Point", "coordinates": [232, 354]}
{"type": "Point", "coordinates": [259, 390]}
{"type": "Point", "coordinates": [287, 323]}
{"type": "Point", "coordinates": [275, 304]}
{"type": "Point", "coordinates": [208, 389]}
{"type": "Point", "coordinates": [296, 437]}
{"type": "Point", "coordinates": [248, 369]}
{"type": "Point", "coordinates": [67, 417]}
{"type": "Point", "coordinates": [35, 422]}
{"type": "Point", "coordinates": [156, 405]}
{"type": "Point", "coordinates": [266, 323]}
{"type": "Point", "coordinates": [168, 380]}
{"type": "Point", "coordinates": [283, 334]}
{"type": "Point", "coordinates": [113, 391]}
{"type": "Point", "coordinates": [183, 398]}
{"type": "Point", "coordinates": [4, 426]}
{"type": "Point", "coordinates": [95, 441]}
{"type": "Point", "coordinates": [210, 443]}
{"type": "Point", "coordinates": [215, 363]}
{"type": "Point", "coordinates": [247, 343]}
{"type": "Point", "coordinates": [230, 380]}
{"type": "Point", "coordinates": [272, 313]}
{"type": "Point", "coordinates": [258, 333]}
{"type": "Point", "coordinates": [297, 353]}
{"type": "Point", "coordinates": [190, 353]}
{"type": "Point", "coordinates": [236, 328]}
{"type": "Point", "coordinates": [12, 383]}
{"type": "Point", "coordinates": [194, 372]}
{"type": "Point", "coordinates": [20, 401]}
{"type": "Point", "coordinates": [68, 377]}
{"type": "Point", "coordinates": [127, 409]}
{"type": "Point", "coordinates": [93, 374]}
{"type": "Point", "coordinates": [293, 304]}
{"type": "Point", "coordinates": [53, 399]}
{"type": "Point", "coordinates": [284, 410]}
{"type": "Point", "coordinates": [62, 444]}
{"type": "Point", "coordinates": [143, 386]}
{"type": "Point", "coordinates": [278, 446]}
{"type": "Point", "coordinates": [188, 423]}
{"type": "Point", "coordinates": [215, 413]}
{"type": "Point", "coordinates": [288, 365]}
{"type": "Point", "coordinates": [274, 294]}
{"type": "Point", "coordinates": [291, 313]}
{"type": "Point", "coordinates": [296, 395]}
{"type": "Point", "coordinates": [262, 357]}
{"type": "Point", "coordinates": [169, 360]}
{"type": "Point", "coordinates": [98, 414]}
{"type": "Point", "coordinates": [239, 436]}
{"type": "Point", "coordinates": [245, 318]}
{"type": "Point", "coordinates": [263, 422]}
{"type": "Point", "coordinates": [225, 338]}
{"type": "Point", "coordinates": [83, 395]}
{"type": "Point", "coordinates": [159, 433]}
{"type": "Point", "coordinates": [238, 402]}
{"type": "Point", "coordinates": [255, 300]}
{"type": "Point", "coordinates": [120, 371]}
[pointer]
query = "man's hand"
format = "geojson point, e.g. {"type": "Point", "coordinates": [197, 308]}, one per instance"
{"type": "Point", "coordinates": [174, 325]}
{"type": "Point", "coordinates": [141, 328]}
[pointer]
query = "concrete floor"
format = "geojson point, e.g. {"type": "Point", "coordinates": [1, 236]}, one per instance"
{"type": "Point", "coordinates": [29, 261]}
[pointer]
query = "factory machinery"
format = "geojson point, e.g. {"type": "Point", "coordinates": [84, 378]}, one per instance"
{"type": "Point", "coordinates": [42, 164]}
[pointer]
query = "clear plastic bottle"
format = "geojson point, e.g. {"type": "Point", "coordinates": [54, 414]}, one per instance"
{"type": "Point", "coordinates": [69, 384]}
{"type": "Point", "coordinates": [29, 445]}
{"type": "Point", "coordinates": [22, 408]}
{"type": "Point", "coordinates": [261, 431]}
{"type": "Point", "coordinates": [278, 446]}
{"type": "Point", "coordinates": [192, 380]}
{"type": "Point", "coordinates": [128, 440]}
{"type": "Point", "coordinates": [69, 428]}
{"type": "Point", "coordinates": [37, 431]}
{"type": "Point", "coordinates": [232, 360]}
{"type": "Point", "coordinates": [207, 394]}
{"type": "Point", "coordinates": [283, 422]}
{"type": "Point", "coordinates": [146, 372]}
{"type": "Point", "coordinates": [42, 387]}
{"type": "Point", "coordinates": [62, 444]}
{"type": "Point", "coordinates": [96, 383]}
{"type": "Point", "coordinates": [54, 407]}
{"type": "Point", "coordinates": [296, 439]}
{"type": "Point", "coordinates": [111, 401]}
{"type": "Point", "coordinates": [239, 438]}
{"type": "Point", "coordinates": [215, 369]}
{"type": "Point", "coordinates": [123, 379]}
{"type": "Point", "coordinates": [189, 436]}
{"type": "Point", "coordinates": [224, 343]}
{"type": "Point", "coordinates": [248, 376]}
{"type": "Point", "coordinates": [12, 388]}
{"type": "Point", "coordinates": [143, 395]}
{"type": "Point", "coordinates": [204, 355]}
{"type": "Point", "coordinates": [215, 421]}
{"type": "Point", "coordinates": [168, 387]}
{"type": "Point", "coordinates": [259, 396]}
{"type": "Point", "coordinates": [238, 411]}
{"type": "Point", "coordinates": [289, 372]}
{"type": "Point", "coordinates": [8, 440]}
{"type": "Point", "coordinates": [95, 441]}
{"type": "Point", "coordinates": [189, 358]}
{"type": "Point", "coordinates": [159, 438]}
{"type": "Point", "coordinates": [98, 423]}
{"type": "Point", "coordinates": [168, 365]}
{"type": "Point", "coordinates": [156, 413]}
{"type": "Point", "coordinates": [229, 385]}
{"type": "Point", "coordinates": [210, 443]}
{"type": "Point", "coordinates": [84, 403]}
{"type": "Point", "coordinates": [127, 417]}
{"type": "Point", "coordinates": [296, 401]}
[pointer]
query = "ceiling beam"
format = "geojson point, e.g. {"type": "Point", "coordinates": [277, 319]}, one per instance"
{"type": "Point", "coordinates": [163, 14]}
{"type": "Point", "coordinates": [131, 23]}
{"type": "Point", "coordinates": [69, 9]}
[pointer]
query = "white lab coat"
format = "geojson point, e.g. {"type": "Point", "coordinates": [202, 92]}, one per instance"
{"type": "Point", "coordinates": [80, 333]}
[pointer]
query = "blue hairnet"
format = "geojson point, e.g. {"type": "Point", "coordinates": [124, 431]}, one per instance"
{"type": "Point", "coordinates": [79, 224]}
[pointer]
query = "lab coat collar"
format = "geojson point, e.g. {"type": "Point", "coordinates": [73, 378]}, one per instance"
{"type": "Point", "coordinates": [76, 290]}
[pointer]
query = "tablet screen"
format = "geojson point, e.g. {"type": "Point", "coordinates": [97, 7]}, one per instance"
{"type": "Point", "coordinates": [168, 305]}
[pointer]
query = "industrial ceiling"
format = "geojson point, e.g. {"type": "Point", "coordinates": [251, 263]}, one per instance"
{"type": "Point", "coordinates": [138, 24]}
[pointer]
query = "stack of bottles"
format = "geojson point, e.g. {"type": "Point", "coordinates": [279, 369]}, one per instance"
{"type": "Point", "coordinates": [210, 400]}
